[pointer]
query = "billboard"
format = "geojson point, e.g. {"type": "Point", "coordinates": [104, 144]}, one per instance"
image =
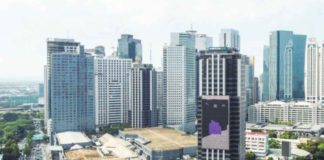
{"type": "Point", "coordinates": [286, 149]}
{"type": "Point", "coordinates": [215, 122]}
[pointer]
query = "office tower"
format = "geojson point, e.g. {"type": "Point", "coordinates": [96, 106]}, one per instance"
{"type": "Point", "coordinates": [99, 51]}
{"type": "Point", "coordinates": [280, 41]}
{"type": "Point", "coordinates": [265, 74]}
{"type": "Point", "coordinates": [41, 90]}
{"type": "Point", "coordinates": [54, 46]}
{"type": "Point", "coordinates": [112, 90]}
{"type": "Point", "coordinates": [128, 47]}
{"type": "Point", "coordinates": [142, 96]}
{"type": "Point", "coordinates": [159, 97]}
{"type": "Point", "coordinates": [249, 75]}
{"type": "Point", "coordinates": [255, 95]}
{"type": "Point", "coordinates": [314, 77]}
{"type": "Point", "coordinates": [229, 38]}
{"type": "Point", "coordinates": [72, 90]}
{"type": "Point", "coordinates": [203, 42]}
{"type": "Point", "coordinates": [288, 68]}
{"type": "Point", "coordinates": [179, 62]}
{"type": "Point", "coordinates": [221, 105]}
{"type": "Point", "coordinates": [299, 42]}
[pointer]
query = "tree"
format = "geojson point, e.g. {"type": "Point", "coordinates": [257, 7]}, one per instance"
{"type": "Point", "coordinates": [288, 135]}
{"type": "Point", "coordinates": [321, 146]}
{"type": "Point", "coordinates": [250, 155]}
{"type": "Point", "coordinates": [274, 144]}
{"type": "Point", "coordinates": [270, 158]}
{"type": "Point", "coordinates": [272, 134]}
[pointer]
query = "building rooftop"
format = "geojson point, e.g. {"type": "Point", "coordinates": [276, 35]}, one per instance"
{"type": "Point", "coordinates": [116, 147]}
{"type": "Point", "coordinates": [257, 133]}
{"type": "Point", "coordinates": [86, 154]}
{"type": "Point", "coordinates": [164, 138]}
{"type": "Point", "coordinates": [72, 138]}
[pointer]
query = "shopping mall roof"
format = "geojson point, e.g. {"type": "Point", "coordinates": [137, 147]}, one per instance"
{"type": "Point", "coordinates": [164, 138]}
{"type": "Point", "coordinates": [72, 138]}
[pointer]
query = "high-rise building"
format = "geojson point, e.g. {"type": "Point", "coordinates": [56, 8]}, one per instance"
{"type": "Point", "coordinates": [159, 97]}
{"type": "Point", "coordinates": [142, 93]}
{"type": "Point", "coordinates": [41, 90]}
{"type": "Point", "coordinates": [284, 66]}
{"type": "Point", "coordinates": [54, 46]}
{"type": "Point", "coordinates": [229, 38]}
{"type": "Point", "coordinates": [221, 105]}
{"type": "Point", "coordinates": [265, 74]}
{"type": "Point", "coordinates": [255, 93]}
{"type": "Point", "coordinates": [249, 75]}
{"type": "Point", "coordinates": [128, 47]}
{"type": "Point", "coordinates": [112, 90]}
{"type": "Point", "coordinates": [72, 90]}
{"type": "Point", "coordinates": [288, 68]}
{"type": "Point", "coordinates": [179, 68]}
{"type": "Point", "coordinates": [314, 77]}
{"type": "Point", "coordinates": [203, 42]}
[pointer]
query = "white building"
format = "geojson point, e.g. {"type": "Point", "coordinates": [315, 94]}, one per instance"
{"type": "Point", "coordinates": [314, 77]}
{"type": "Point", "coordinates": [294, 112]}
{"type": "Point", "coordinates": [257, 142]}
{"type": "Point", "coordinates": [203, 42]}
{"type": "Point", "coordinates": [229, 38]}
{"type": "Point", "coordinates": [179, 62]}
{"type": "Point", "coordinates": [111, 90]}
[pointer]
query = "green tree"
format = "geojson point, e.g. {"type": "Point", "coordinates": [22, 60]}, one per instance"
{"type": "Point", "coordinates": [250, 155]}
{"type": "Point", "coordinates": [321, 146]}
{"type": "Point", "coordinates": [272, 134]}
{"type": "Point", "coordinates": [270, 158]}
{"type": "Point", "coordinates": [274, 143]}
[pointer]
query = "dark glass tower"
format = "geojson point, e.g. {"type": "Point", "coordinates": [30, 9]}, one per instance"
{"type": "Point", "coordinates": [222, 93]}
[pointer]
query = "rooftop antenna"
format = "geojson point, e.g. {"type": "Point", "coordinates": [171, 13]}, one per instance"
{"type": "Point", "coordinates": [191, 27]}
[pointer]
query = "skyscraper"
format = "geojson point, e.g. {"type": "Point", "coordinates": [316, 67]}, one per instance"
{"type": "Point", "coordinates": [159, 97]}
{"type": "Point", "coordinates": [288, 68]}
{"type": "Point", "coordinates": [72, 90]}
{"type": "Point", "coordinates": [221, 105]}
{"type": "Point", "coordinates": [128, 47]}
{"type": "Point", "coordinates": [229, 38]}
{"type": "Point", "coordinates": [112, 90]}
{"type": "Point", "coordinates": [54, 46]}
{"type": "Point", "coordinates": [142, 96]}
{"type": "Point", "coordinates": [280, 41]}
{"type": "Point", "coordinates": [255, 93]}
{"type": "Point", "coordinates": [314, 77]}
{"type": "Point", "coordinates": [179, 62]}
{"type": "Point", "coordinates": [265, 74]}
{"type": "Point", "coordinates": [249, 75]}
{"type": "Point", "coordinates": [203, 42]}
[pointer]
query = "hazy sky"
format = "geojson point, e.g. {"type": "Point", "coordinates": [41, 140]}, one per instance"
{"type": "Point", "coordinates": [25, 25]}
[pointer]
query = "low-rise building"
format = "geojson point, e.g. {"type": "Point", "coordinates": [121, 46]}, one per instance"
{"type": "Point", "coordinates": [160, 143]}
{"type": "Point", "coordinates": [294, 112]}
{"type": "Point", "coordinates": [257, 142]}
{"type": "Point", "coordinates": [300, 130]}
{"type": "Point", "coordinates": [69, 139]}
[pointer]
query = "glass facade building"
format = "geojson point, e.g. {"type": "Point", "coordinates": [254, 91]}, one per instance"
{"type": "Point", "coordinates": [128, 47]}
{"type": "Point", "coordinates": [279, 41]}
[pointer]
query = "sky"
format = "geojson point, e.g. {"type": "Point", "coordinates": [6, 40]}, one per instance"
{"type": "Point", "coordinates": [26, 24]}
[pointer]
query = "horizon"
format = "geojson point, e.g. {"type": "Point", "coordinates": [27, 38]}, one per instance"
{"type": "Point", "coordinates": [28, 23]}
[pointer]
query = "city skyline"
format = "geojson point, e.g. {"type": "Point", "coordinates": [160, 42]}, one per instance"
{"type": "Point", "coordinates": [29, 23]}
